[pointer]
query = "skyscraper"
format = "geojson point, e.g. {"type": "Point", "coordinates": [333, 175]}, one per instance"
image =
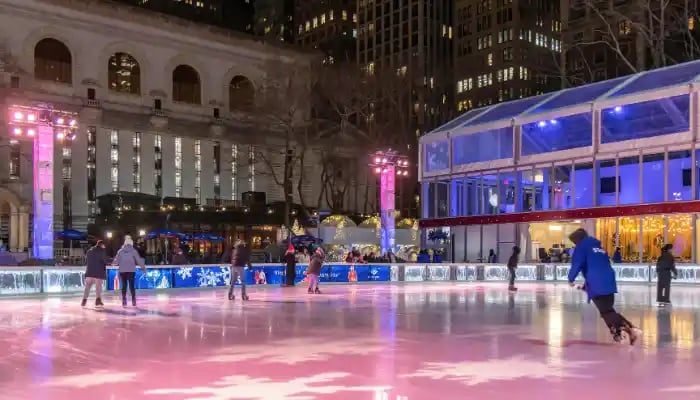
{"type": "Point", "coordinates": [506, 49]}
{"type": "Point", "coordinates": [329, 26]}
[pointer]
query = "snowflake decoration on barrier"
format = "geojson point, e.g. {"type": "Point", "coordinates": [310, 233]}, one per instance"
{"type": "Point", "coordinates": [208, 278]}
{"type": "Point", "coordinates": [185, 272]}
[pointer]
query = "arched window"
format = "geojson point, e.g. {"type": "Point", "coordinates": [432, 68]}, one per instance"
{"type": "Point", "coordinates": [52, 61]}
{"type": "Point", "coordinates": [186, 85]}
{"type": "Point", "coordinates": [241, 94]}
{"type": "Point", "coordinates": [124, 73]}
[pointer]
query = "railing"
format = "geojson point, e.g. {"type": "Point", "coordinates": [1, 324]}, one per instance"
{"type": "Point", "coordinates": [34, 280]}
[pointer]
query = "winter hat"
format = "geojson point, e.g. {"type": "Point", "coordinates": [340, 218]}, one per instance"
{"type": "Point", "coordinates": [128, 241]}
{"type": "Point", "coordinates": [290, 249]}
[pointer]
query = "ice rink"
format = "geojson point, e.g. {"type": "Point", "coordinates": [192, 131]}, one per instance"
{"type": "Point", "coordinates": [375, 342]}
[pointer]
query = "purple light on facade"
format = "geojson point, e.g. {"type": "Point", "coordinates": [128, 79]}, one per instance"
{"type": "Point", "coordinates": [42, 160]}
{"type": "Point", "coordinates": [387, 210]}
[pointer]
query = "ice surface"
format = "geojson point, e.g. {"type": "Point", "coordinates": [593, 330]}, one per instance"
{"type": "Point", "coordinates": [377, 341]}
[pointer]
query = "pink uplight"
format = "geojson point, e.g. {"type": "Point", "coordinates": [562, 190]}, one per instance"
{"type": "Point", "coordinates": [59, 136]}
{"type": "Point", "coordinates": [31, 117]}
{"type": "Point", "coordinates": [31, 132]}
{"type": "Point", "coordinates": [60, 121]}
{"type": "Point", "coordinates": [72, 122]}
{"type": "Point", "coordinates": [377, 170]}
{"type": "Point", "coordinates": [17, 131]}
{"type": "Point", "coordinates": [18, 116]}
{"type": "Point", "coordinates": [377, 160]}
{"type": "Point", "coordinates": [384, 160]}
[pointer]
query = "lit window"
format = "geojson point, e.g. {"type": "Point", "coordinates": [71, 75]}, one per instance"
{"type": "Point", "coordinates": [308, 26]}
{"type": "Point", "coordinates": [330, 15]}
{"type": "Point", "coordinates": [114, 158]}
{"type": "Point", "coordinates": [315, 22]}
{"type": "Point", "coordinates": [234, 172]}
{"type": "Point", "coordinates": [489, 59]}
{"type": "Point", "coordinates": [345, 15]}
{"type": "Point", "coordinates": [323, 18]}
{"type": "Point", "coordinates": [178, 167]}
{"type": "Point", "coordinates": [449, 32]}
{"type": "Point", "coordinates": [354, 18]}
{"type": "Point", "coordinates": [625, 27]}
{"type": "Point", "coordinates": [691, 23]}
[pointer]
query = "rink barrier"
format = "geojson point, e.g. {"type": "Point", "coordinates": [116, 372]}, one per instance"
{"type": "Point", "coordinates": [35, 280]}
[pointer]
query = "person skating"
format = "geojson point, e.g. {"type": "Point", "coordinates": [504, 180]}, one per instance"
{"type": "Point", "coordinates": [239, 260]}
{"type": "Point", "coordinates": [95, 272]}
{"type": "Point", "coordinates": [291, 263]}
{"type": "Point", "coordinates": [128, 259]}
{"type": "Point", "coordinates": [313, 271]}
{"type": "Point", "coordinates": [665, 270]}
{"type": "Point", "coordinates": [593, 263]}
{"type": "Point", "coordinates": [512, 268]}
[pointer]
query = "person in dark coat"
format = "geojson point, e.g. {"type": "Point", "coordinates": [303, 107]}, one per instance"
{"type": "Point", "coordinates": [239, 260]}
{"type": "Point", "coordinates": [512, 268]}
{"type": "Point", "coordinates": [617, 256]}
{"type": "Point", "coordinates": [593, 263]}
{"type": "Point", "coordinates": [665, 270]}
{"type": "Point", "coordinates": [492, 257]}
{"type": "Point", "coordinates": [95, 272]}
{"type": "Point", "coordinates": [313, 271]}
{"type": "Point", "coordinates": [179, 257]}
{"type": "Point", "coordinates": [291, 261]}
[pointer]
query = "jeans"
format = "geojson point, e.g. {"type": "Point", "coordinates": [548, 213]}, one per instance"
{"type": "Point", "coordinates": [615, 321]}
{"type": "Point", "coordinates": [237, 272]}
{"type": "Point", "coordinates": [127, 279]}
{"type": "Point", "coordinates": [663, 287]}
{"type": "Point", "coordinates": [88, 286]}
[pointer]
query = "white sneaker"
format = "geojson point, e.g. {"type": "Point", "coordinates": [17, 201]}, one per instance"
{"type": "Point", "coordinates": [623, 338]}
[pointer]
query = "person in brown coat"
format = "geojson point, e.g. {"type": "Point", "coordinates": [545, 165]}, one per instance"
{"type": "Point", "coordinates": [313, 271]}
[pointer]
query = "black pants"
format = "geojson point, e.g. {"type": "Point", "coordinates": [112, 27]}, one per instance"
{"type": "Point", "coordinates": [511, 277]}
{"type": "Point", "coordinates": [127, 278]}
{"type": "Point", "coordinates": [291, 275]}
{"type": "Point", "coordinates": [615, 322]}
{"type": "Point", "coordinates": [663, 287]}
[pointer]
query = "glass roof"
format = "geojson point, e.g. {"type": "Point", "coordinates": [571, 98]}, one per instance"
{"type": "Point", "coordinates": [660, 78]}
{"type": "Point", "coordinates": [509, 110]}
{"type": "Point", "coordinates": [656, 79]}
{"type": "Point", "coordinates": [461, 119]}
{"type": "Point", "coordinates": [578, 95]}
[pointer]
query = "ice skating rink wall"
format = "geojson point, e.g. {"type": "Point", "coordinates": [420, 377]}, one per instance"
{"type": "Point", "coordinates": [65, 279]}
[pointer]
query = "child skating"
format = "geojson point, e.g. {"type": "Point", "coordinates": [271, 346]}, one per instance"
{"type": "Point", "coordinates": [512, 268]}
{"type": "Point", "coordinates": [593, 263]}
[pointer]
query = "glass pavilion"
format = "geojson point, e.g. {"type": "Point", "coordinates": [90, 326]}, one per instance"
{"type": "Point", "coordinates": [617, 157]}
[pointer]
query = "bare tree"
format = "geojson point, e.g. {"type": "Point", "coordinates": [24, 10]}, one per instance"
{"type": "Point", "coordinates": [282, 109]}
{"type": "Point", "coordinates": [643, 34]}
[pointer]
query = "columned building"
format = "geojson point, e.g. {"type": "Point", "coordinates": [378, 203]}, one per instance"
{"type": "Point", "coordinates": [163, 107]}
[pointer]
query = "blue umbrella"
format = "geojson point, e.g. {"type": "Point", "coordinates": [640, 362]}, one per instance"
{"type": "Point", "coordinates": [70, 234]}
{"type": "Point", "coordinates": [207, 236]}
{"type": "Point", "coordinates": [165, 233]}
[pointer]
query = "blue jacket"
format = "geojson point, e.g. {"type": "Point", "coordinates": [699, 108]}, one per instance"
{"type": "Point", "coordinates": [593, 263]}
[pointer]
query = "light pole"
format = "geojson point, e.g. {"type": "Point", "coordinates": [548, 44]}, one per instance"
{"type": "Point", "coordinates": [42, 124]}
{"type": "Point", "coordinates": [389, 165]}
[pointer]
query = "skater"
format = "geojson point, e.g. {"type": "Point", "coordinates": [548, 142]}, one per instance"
{"type": "Point", "coordinates": [593, 263]}
{"type": "Point", "coordinates": [665, 270]}
{"type": "Point", "coordinates": [128, 259]}
{"type": "Point", "coordinates": [512, 267]}
{"type": "Point", "coordinates": [291, 262]}
{"type": "Point", "coordinates": [314, 270]}
{"type": "Point", "coordinates": [239, 260]}
{"type": "Point", "coordinates": [95, 272]}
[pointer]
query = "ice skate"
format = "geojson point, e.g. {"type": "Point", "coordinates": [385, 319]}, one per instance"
{"type": "Point", "coordinates": [512, 289]}
{"type": "Point", "coordinates": [133, 301]}
{"type": "Point", "coordinates": [245, 297]}
{"type": "Point", "coordinates": [310, 291]}
{"type": "Point", "coordinates": [124, 302]}
{"type": "Point", "coordinates": [634, 334]}
{"type": "Point", "coordinates": [231, 295]}
{"type": "Point", "coordinates": [83, 303]}
{"type": "Point", "coordinates": [622, 337]}
{"type": "Point", "coordinates": [317, 291]}
{"type": "Point", "coordinates": [99, 303]}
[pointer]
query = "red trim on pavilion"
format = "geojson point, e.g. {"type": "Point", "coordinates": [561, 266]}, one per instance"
{"type": "Point", "coordinates": [557, 215]}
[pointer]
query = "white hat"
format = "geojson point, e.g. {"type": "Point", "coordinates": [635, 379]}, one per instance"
{"type": "Point", "coordinates": [128, 240]}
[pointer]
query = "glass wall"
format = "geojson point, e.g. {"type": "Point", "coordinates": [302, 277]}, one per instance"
{"type": "Point", "coordinates": [494, 144]}
{"type": "Point", "coordinates": [607, 185]}
{"type": "Point", "coordinates": [628, 238]}
{"type": "Point", "coordinates": [443, 199]}
{"type": "Point", "coordinates": [646, 119]}
{"type": "Point", "coordinates": [472, 195]}
{"type": "Point", "coordinates": [564, 133]}
{"type": "Point", "coordinates": [680, 235]}
{"type": "Point", "coordinates": [653, 178]}
{"type": "Point", "coordinates": [507, 192]}
{"type": "Point", "coordinates": [653, 228]}
{"type": "Point", "coordinates": [489, 194]}
{"type": "Point", "coordinates": [680, 164]}
{"type": "Point", "coordinates": [628, 180]}
{"type": "Point", "coordinates": [584, 188]}
{"type": "Point", "coordinates": [437, 156]}
{"type": "Point", "coordinates": [561, 188]}
{"type": "Point", "coordinates": [606, 232]}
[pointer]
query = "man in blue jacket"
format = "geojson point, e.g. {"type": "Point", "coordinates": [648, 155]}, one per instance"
{"type": "Point", "coordinates": [593, 263]}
